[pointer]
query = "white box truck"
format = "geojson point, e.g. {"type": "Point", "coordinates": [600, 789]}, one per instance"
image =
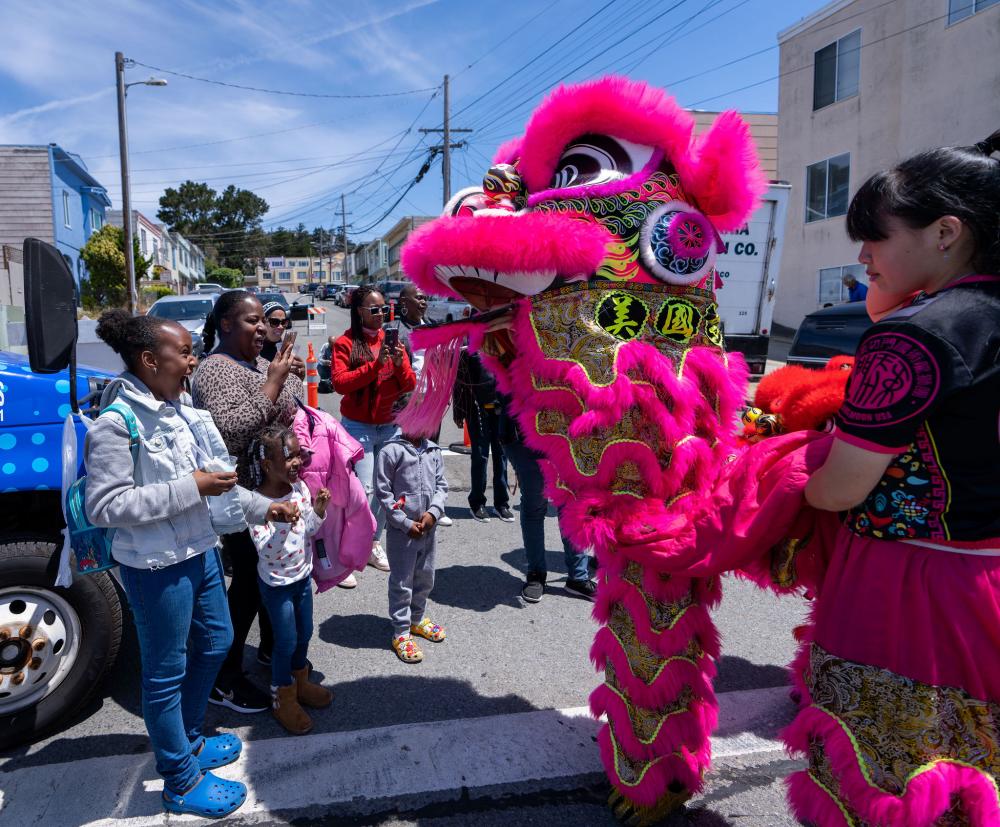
{"type": "Point", "coordinates": [749, 267]}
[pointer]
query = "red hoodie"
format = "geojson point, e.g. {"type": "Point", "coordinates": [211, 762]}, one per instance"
{"type": "Point", "coordinates": [369, 391]}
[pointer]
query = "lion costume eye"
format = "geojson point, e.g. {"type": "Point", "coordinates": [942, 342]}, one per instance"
{"type": "Point", "coordinates": [678, 244]}
{"type": "Point", "coordinates": [598, 159]}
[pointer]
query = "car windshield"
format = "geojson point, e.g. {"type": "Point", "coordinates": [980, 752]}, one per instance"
{"type": "Point", "coordinates": [193, 309]}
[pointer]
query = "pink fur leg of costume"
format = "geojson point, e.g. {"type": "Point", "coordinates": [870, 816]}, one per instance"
{"type": "Point", "coordinates": [600, 227]}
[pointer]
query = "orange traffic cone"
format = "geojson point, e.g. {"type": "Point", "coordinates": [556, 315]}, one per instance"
{"type": "Point", "coordinates": [312, 378]}
{"type": "Point", "coordinates": [465, 435]}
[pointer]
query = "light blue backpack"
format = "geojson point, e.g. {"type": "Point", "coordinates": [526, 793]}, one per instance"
{"type": "Point", "coordinates": [92, 545]}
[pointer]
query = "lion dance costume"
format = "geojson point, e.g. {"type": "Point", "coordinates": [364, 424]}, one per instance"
{"type": "Point", "coordinates": [600, 227]}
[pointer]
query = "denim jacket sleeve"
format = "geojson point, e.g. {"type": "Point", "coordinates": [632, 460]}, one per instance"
{"type": "Point", "coordinates": [255, 506]}
{"type": "Point", "coordinates": [113, 498]}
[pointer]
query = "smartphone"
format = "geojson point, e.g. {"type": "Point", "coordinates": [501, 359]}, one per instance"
{"type": "Point", "coordinates": [289, 341]}
{"type": "Point", "coordinates": [391, 337]}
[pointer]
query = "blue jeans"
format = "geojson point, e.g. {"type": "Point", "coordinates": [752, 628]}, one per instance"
{"type": "Point", "coordinates": [372, 438]}
{"type": "Point", "coordinates": [485, 438]}
{"type": "Point", "coordinates": [182, 621]}
{"type": "Point", "coordinates": [291, 611]}
{"type": "Point", "coordinates": [534, 507]}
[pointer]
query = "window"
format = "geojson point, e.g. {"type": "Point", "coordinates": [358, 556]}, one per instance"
{"type": "Point", "coordinates": [66, 216]}
{"type": "Point", "coordinates": [831, 283]}
{"type": "Point", "coordinates": [156, 250]}
{"type": "Point", "coordinates": [826, 188]}
{"type": "Point", "coordinates": [142, 240]}
{"type": "Point", "coordinates": [960, 9]}
{"type": "Point", "coordinates": [284, 275]}
{"type": "Point", "coordinates": [836, 70]}
{"type": "Point", "coordinates": [301, 275]}
{"type": "Point", "coordinates": [96, 221]}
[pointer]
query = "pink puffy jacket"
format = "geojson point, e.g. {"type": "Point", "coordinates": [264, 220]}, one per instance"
{"type": "Point", "coordinates": [349, 526]}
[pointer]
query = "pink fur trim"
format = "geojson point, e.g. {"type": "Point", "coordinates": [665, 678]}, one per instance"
{"type": "Point", "coordinates": [530, 242]}
{"type": "Point", "coordinates": [812, 803]}
{"type": "Point", "coordinates": [927, 796]}
{"type": "Point", "coordinates": [430, 399]}
{"type": "Point", "coordinates": [723, 172]}
{"type": "Point", "coordinates": [690, 727]}
{"type": "Point", "coordinates": [509, 151]}
{"type": "Point", "coordinates": [683, 765]}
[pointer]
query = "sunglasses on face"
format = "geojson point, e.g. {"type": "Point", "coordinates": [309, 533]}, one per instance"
{"type": "Point", "coordinates": [279, 322]}
{"type": "Point", "coordinates": [379, 311]}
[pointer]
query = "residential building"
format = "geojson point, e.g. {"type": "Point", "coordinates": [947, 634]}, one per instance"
{"type": "Point", "coordinates": [763, 130]}
{"type": "Point", "coordinates": [154, 244]}
{"type": "Point", "coordinates": [865, 84]}
{"type": "Point", "coordinates": [291, 272]}
{"type": "Point", "coordinates": [394, 240]}
{"type": "Point", "coordinates": [186, 259]}
{"type": "Point", "coordinates": [48, 193]}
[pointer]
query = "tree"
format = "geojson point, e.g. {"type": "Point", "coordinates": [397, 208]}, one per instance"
{"type": "Point", "coordinates": [226, 276]}
{"type": "Point", "coordinates": [226, 225]}
{"type": "Point", "coordinates": [104, 255]}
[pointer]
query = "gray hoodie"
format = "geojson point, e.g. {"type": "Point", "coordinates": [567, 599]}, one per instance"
{"type": "Point", "coordinates": [416, 473]}
{"type": "Point", "coordinates": [153, 503]}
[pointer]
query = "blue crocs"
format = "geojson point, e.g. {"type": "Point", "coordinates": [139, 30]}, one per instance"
{"type": "Point", "coordinates": [211, 797]}
{"type": "Point", "coordinates": [218, 751]}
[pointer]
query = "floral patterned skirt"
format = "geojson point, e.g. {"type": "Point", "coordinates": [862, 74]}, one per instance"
{"type": "Point", "coordinates": [901, 715]}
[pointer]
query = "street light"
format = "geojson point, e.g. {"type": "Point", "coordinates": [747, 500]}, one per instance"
{"type": "Point", "coordinates": [120, 63]}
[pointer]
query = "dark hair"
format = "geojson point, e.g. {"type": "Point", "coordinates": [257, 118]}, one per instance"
{"type": "Point", "coordinates": [360, 351]}
{"type": "Point", "coordinates": [225, 308]}
{"type": "Point", "coordinates": [130, 335]}
{"type": "Point", "coordinates": [960, 181]}
{"type": "Point", "coordinates": [263, 446]}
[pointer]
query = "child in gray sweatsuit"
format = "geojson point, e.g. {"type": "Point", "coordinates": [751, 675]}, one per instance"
{"type": "Point", "coordinates": [410, 484]}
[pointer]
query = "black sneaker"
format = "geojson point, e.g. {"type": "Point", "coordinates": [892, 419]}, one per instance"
{"type": "Point", "coordinates": [480, 514]}
{"type": "Point", "coordinates": [584, 588]}
{"type": "Point", "coordinates": [263, 658]}
{"type": "Point", "coordinates": [244, 697]}
{"type": "Point", "coordinates": [505, 514]}
{"type": "Point", "coordinates": [534, 587]}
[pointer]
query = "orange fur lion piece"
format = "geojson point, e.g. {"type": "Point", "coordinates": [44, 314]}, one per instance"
{"type": "Point", "coordinates": [805, 399]}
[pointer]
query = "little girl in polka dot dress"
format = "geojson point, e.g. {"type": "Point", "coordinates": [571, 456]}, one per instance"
{"type": "Point", "coordinates": [283, 568]}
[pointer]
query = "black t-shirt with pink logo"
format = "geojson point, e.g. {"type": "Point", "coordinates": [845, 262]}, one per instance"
{"type": "Point", "coordinates": [926, 388]}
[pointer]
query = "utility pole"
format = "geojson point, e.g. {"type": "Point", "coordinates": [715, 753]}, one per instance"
{"type": "Point", "coordinates": [447, 145]}
{"type": "Point", "coordinates": [343, 232]}
{"type": "Point", "coordinates": [133, 293]}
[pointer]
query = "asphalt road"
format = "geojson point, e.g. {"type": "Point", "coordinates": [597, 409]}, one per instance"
{"type": "Point", "coordinates": [501, 656]}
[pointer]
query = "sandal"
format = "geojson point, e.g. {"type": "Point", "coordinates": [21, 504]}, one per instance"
{"type": "Point", "coordinates": [211, 797]}
{"type": "Point", "coordinates": [428, 631]}
{"type": "Point", "coordinates": [218, 751]}
{"type": "Point", "coordinates": [406, 649]}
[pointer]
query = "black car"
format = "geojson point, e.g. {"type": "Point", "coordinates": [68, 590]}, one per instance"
{"type": "Point", "coordinates": [832, 331]}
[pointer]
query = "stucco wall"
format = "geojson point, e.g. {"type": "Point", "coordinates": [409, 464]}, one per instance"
{"type": "Point", "coordinates": [929, 86]}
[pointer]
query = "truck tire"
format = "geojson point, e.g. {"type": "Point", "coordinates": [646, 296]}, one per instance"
{"type": "Point", "coordinates": [55, 643]}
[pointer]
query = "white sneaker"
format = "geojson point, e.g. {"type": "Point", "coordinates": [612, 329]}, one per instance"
{"type": "Point", "coordinates": [349, 582]}
{"type": "Point", "coordinates": [378, 560]}
{"type": "Point", "coordinates": [445, 520]}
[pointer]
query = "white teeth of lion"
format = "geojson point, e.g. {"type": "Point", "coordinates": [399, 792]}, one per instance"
{"type": "Point", "coordinates": [527, 284]}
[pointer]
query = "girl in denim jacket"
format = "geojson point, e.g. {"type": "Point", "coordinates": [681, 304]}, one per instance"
{"type": "Point", "coordinates": [166, 511]}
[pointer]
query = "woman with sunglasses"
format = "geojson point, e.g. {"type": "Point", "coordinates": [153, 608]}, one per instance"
{"type": "Point", "coordinates": [371, 378]}
{"type": "Point", "coordinates": [277, 322]}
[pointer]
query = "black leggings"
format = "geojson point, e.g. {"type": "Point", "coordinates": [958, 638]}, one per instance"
{"type": "Point", "coordinates": [244, 605]}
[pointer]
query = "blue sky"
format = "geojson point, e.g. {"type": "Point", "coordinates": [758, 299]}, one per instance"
{"type": "Point", "coordinates": [300, 153]}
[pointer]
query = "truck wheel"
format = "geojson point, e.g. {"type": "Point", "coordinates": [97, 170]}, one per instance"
{"type": "Point", "coordinates": [55, 643]}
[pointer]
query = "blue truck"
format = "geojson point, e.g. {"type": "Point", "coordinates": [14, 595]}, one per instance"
{"type": "Point", "coordinates": [55, 643]}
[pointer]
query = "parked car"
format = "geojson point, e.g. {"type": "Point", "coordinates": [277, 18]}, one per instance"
{"type": "Point", "coordinates": [832, 331]}
{"type": "Point", "coordinates": [391, 289]}
{"type": "Point", "coordinates": [273, 297]}
{"type": "Point", "coordinates": [343, 298]}
{"type": "Point", "coordinates": [448, 310]}
{"type": "Point", "coordinates": [191, 311]}
{"type": "Point", "coordinates": [209, 287]}
{"type": "Point", "coordinates": [327, 292]}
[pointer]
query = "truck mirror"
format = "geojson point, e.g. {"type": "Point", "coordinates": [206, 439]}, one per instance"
{"type": "Point", "coordinates": [49, 307]}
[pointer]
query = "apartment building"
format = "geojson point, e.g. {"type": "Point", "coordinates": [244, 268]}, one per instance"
{"type": "Point", "coordinates": [291, 272]}
{"type": "Point", "coordinates": [865, 84]}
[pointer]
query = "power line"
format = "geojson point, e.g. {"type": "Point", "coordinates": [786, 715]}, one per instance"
{"type": "Point", "coordinates": [506, 40]}
{"type": "Point", "coordinates": [283, 91]}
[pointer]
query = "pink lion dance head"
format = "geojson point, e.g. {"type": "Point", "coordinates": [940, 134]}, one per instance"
{"type": "Point", "coordinates": [599, 227]}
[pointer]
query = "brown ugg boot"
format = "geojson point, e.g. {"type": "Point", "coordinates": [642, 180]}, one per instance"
{"type": "Point", "coordinates": [285, 707]}
{"type": "Point", "coordinates": [310, 694]}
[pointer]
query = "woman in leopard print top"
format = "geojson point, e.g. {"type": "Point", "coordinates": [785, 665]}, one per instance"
{"type": "Point", "coordinates": [244, 393]}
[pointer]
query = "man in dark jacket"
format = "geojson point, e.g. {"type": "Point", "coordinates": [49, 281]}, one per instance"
{"type": "Point", "coordinates": [475, 402]}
